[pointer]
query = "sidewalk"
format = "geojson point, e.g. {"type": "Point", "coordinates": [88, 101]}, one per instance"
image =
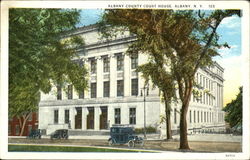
{"type": "Point", "coordinates": [197, 143]}
{"type": "Point", "coordinates": [193, 137]}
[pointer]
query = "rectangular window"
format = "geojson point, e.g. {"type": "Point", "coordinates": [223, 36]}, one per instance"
{"type": "Point", "coordinates": [200, 80]}
{"type": "Point", "coordinates": [198, 116]}
{"type": "Point", "coordinates": [204, 85]}
{"type": "Point", "coordinates": [106, 89]}
{"type": "Point", "coordinates": [29, 128]}
{"type": "Point", "coordinates": [55, 116]}
{"type": "Point", "coordinates": [132, 115]}
{"type": "Point", "coordinates": [66, 116]}
{"type": "Point", "coordinates": [106, 64]}
{"type": "Point", "coordinates": [210, 120]}
{"type": "Point", "coordinates": [194, 117]}
{"type": "Point", "coordinates": [81, 94]}
{"type": "Point", "coordinates": [93, 90]}
{"type": "Point", "coordinates": [204, 96]}
{"type": "Point", "coordinates": [201, 116]}
{"type": "Point", "coordinates": [190, 116]}
{"type": "Point", "coordinates": [70, 91]}
{"type": "Point", "coordinates": [119, 62]}
{"type": "Point", "coordinates": [207, 99]}
{"type": "Point", "coordinates": [134, 87]}
{"type": "Point", "coordinates": [134, 62]}
{"type": "Point", "coordinates": [205, 120]}
{"type": "Point", "coordinates": [93, 66]}
{"type": "Point", "coordinates": [120, 88]}
{"type": "Point", "coordinates": [117, 116]}
{"type": "Point", "coordinates": [59, 92]}
{"type": "Point", "coordinates": [175, 118]}
{"type": "Point", "coordinates": [17, 130]}
{"type": "Point", "coordinates": [207, 117]}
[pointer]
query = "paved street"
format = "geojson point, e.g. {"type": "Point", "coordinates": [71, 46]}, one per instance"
{"type": "Point", "coordinates": [198, 143]}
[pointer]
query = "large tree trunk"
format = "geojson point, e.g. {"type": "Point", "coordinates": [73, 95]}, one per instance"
{"type": "Point", "coordinates": [183, 119]}
{"type": "Point", "coordinates": [168, 126]}
{"type": "Point", "coordinates": [168, 117]}
{"type": "Point", "coordinates": [183, 128]}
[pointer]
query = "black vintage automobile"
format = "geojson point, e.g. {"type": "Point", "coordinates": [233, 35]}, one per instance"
{"type": "Point", "coordinates": [123, 135]}
{"type": "Point", "coordinates": [60, 134]}
{"type": "Point", "coordinates": [35, 134]}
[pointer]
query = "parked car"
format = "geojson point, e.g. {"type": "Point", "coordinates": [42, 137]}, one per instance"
{"type": "Point", "coordinates": [60, 134]}
{"type": "Point", "coordinates": [35, 134]}
{"type": "Point", "coordinates": [123, 135]}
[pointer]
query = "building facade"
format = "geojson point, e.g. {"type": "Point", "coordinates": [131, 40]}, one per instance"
{"type": "Point", "coordinates": [14, 128]}
{"type": "Point", "coordinates": [116, 93]}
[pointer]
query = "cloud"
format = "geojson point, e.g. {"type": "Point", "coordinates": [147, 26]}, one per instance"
{"type": "Point", "coordinates": [231, 22]}
{"type": "Point", "coordinates": [224, 51]}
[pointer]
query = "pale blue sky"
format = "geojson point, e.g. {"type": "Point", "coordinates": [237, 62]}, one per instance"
{"type": "Point", "coordinates": [230, 59]}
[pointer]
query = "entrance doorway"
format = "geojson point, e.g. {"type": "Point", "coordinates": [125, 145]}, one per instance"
{"type": "Point", "coordinates": [78, 118]}
{"type": "Point", "coordinates": [104, 118]}
{"type": "Point", "coordinates": [90, 118]}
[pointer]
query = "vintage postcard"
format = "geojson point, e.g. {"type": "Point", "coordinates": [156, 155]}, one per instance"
{"type": "Point", "coordinates": [124, 80]}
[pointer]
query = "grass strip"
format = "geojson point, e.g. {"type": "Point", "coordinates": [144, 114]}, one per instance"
{"type": "Point", "coordinates": [37, 148]}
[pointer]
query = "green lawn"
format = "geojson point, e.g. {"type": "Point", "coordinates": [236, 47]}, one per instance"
{"type": "Point", "coordinates": [37, 148]}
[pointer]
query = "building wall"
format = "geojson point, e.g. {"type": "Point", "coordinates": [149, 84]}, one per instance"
{"type": "Point", "coordinates": [14, 128]}
{"type": "Point", "coordinates": [210, 103]}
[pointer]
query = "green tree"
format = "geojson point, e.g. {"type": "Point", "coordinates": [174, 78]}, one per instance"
{"type": "Point", "coordinates": [234, 111]}
{"type": "Point", "coordinates": [157, 73]}
{"type": "Point", "coordinates": [39, 56]}
{"type": "Point", "coordinates": [186, 40]}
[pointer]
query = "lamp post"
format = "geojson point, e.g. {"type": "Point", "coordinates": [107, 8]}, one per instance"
{"type": "Point", "coordinates": [143, 93]}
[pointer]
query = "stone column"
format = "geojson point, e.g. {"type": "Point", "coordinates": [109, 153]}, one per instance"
{"type": "Point", "coordinates": [97, 118]}
{"type": "Point", "coordinates": [72, 117]}
{"type": "Point", "coordinates": [124, 113]}
{"type": "Point", "coordinates": [61, 116]}
{"type": "Point", "coordinates": [85, 113]}
{"type": "Point", "coordinates": [112, 75]}
{"type": "Point", "coordinates": [126, 76]}
{"type": "Point", "coordinates": [99, 78]}
{"type": "Point", "coordinates": [87, 91]}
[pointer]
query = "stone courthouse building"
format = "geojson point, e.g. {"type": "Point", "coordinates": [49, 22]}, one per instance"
{"type": "Point", "coordinates": [114, 93]}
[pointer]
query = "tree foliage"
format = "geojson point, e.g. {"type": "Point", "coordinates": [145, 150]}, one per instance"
{"type": "Point", "coordinates": [183, 40]}
{"type": "Point", "coordinates": [38, 57]}
{"type": "Point", "coordinates": [234, 110]}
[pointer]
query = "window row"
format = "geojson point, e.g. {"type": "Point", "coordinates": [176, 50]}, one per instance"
{"type": "Point", "coordinates": [106, 89]}
{"type": "Point", "coordinates": [117, 116]}
{"type": "Point", "coordinates": [132, 116]}
{"type": "Point", "coordinates": [119, 63]}
{"type": "Point", "coordinates": [201, 116]}
{"type": "Point", "coordinates": [204, 82]}
{"type": "Point", "coordinates": [204, 98]}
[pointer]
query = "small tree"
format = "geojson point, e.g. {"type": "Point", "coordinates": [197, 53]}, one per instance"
{"type": "Point", "coordinates": [234, 111]}
{"type": "Point", "coordinates": [38, 57]}
{"type": "Point", "coordinates": [156, 72]}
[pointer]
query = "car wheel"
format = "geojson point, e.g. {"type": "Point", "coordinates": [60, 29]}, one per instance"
{"type": "Point", "coordinates": [131, 144]}
{"type": "Point", "coordinates": [110, 142]}
{"type": "Point", "coordinates": [141, 143]}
